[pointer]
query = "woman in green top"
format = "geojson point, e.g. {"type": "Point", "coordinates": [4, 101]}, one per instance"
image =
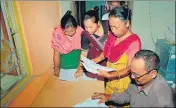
{"type": "Point", "coordinates": [66, 42]}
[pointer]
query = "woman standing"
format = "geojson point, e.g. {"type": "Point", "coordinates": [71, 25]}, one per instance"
{"type": "Point", "coordinates": [93, 38]}
{"type": "Point", "coordinates": [119, 49]}
{"type": "Point", "coordinates": [66, 42]}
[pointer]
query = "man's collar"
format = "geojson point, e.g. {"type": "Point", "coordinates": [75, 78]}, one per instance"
{"type": "Point", "coordinates": [149, 87]}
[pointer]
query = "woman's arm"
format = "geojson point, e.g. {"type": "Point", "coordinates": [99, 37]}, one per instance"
{"type": "Point", "coordinates": [96, 60]}
{"type": "Point", "coordinates": [84, 53]}
{"type": "Point", "coordinates": [84, 41]}
{"type": "Point", "coordinates": [99, 58]}
{"type": "Point", "coordinates": [120, 74]}
{"type": "Point", "coordinates": [85, 45]}
{"type": "Point", "coordinates": [79, 71]}
{"type": "Point", "coordinates": [115, 74]}
{"type": "Point", "coordinates": [56, 60]}
{"type": "Point", "coordinates": [133, 48]}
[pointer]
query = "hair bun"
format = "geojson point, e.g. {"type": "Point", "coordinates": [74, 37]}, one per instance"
{"type": "Point", "coordinates": [96, 8]}
{"type": "Point", "coordinates": [128, 11]}
{"type": "Point", "coordinates": [122, 3]}
{"type": "Point", "coordinates": [123, 12]}
{"type": "Point", "coordinates": [68, 12]}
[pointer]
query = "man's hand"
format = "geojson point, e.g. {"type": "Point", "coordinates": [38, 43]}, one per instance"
{"type": "Point", "coordinates": [103, 97]}
{"type": "Point", "coordinates": [78, 73]}
{"type": "Point", "coordinates": [104, 73]}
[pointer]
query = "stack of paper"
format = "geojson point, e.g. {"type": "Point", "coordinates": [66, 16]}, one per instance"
{"type": "Point", "coordinates": [68, 75]}
{"type": "Point", "coordinates": [92, 67]}
{"type": "Point", "coordinates": [90, 103]}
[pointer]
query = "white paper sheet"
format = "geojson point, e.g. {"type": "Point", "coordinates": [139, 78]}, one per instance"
{"type": "Point", "coordinates": [92, 67]}
{"type": "Point", "coordinates": [90, 103]}
{"type": "Point", "coordinates": [68, 75]}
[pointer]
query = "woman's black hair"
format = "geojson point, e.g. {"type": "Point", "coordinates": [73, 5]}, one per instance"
{"type": "Point", "coordinates": [122, 13]}
{"type": "Point", "coordinates": [93, 13]}
{"type": "Point", "coordinates": [68, 20]}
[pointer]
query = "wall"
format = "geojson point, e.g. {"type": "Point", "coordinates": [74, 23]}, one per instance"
{"type": "Point", "coordinates": [39, 19]}
{"type": "Point", "coordinates": [92, 4]}
{"type": "Point", "coordinates": [150, 19]}
{"type": "Point", "coordinates": [68, 5]}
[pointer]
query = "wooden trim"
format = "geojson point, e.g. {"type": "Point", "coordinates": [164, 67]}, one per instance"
{"type": "Point", "coordinates": [28, 66]}
{"type": "Point", "coordinates": [31, 91]}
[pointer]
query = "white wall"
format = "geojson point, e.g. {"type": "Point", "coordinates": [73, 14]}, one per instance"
{"type": "Point", "coordinates": [160, 13]}
{"type": "Point", "coordinates": [68, 5]}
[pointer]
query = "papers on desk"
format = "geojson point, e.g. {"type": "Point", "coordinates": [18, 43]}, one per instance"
{"type": "Point", "coordinates": [90, 103]}
{"type": "Point", "coordinates": [68, 75]}
{"type": "Point", "coordinates": [92, 67]}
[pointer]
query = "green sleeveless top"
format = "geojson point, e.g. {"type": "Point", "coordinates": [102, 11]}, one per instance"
{"type": "Point", "coordinates": [70, 60]}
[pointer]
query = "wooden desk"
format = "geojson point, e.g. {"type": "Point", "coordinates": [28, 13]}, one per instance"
{"type": "Point", "coordinates": [58, 93]}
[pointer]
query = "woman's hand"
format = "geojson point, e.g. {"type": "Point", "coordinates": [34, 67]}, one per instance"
{"type": "Point", "coordinates": [79, 73]}
{"type": "Point", "coordinates": [56, 72]}
{"type": "Point", "coordinates": [103, 97]}
{"type": "Point", "coordinates": [104, 73]}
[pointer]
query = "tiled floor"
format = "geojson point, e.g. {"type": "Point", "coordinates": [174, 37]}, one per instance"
{"type": "Point", "coordinates": [58, 93]}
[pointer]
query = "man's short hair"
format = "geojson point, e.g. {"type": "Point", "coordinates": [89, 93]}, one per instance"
{"type": "Point", "coordinates": [151, 59]}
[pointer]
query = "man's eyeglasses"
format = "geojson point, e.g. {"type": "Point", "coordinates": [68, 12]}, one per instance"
{"type": "Point", "coordinates": [136, 76]}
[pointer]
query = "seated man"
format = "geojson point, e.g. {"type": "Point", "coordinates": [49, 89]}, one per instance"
{"type": "Point", "coordinates": [149, 89]}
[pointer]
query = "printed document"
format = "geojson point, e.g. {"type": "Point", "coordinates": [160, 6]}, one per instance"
{"type": "Point", "coordinates": [92, 67]}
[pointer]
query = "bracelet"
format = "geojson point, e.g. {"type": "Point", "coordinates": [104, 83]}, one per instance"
{"type": "Point", "coordinates": [55, 68]}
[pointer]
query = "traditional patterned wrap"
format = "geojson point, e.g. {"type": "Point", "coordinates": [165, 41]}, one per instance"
{"type": "Point", "coordinates": [64, 44]}
{"type": "Point", "coordinates": [114, 52]}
